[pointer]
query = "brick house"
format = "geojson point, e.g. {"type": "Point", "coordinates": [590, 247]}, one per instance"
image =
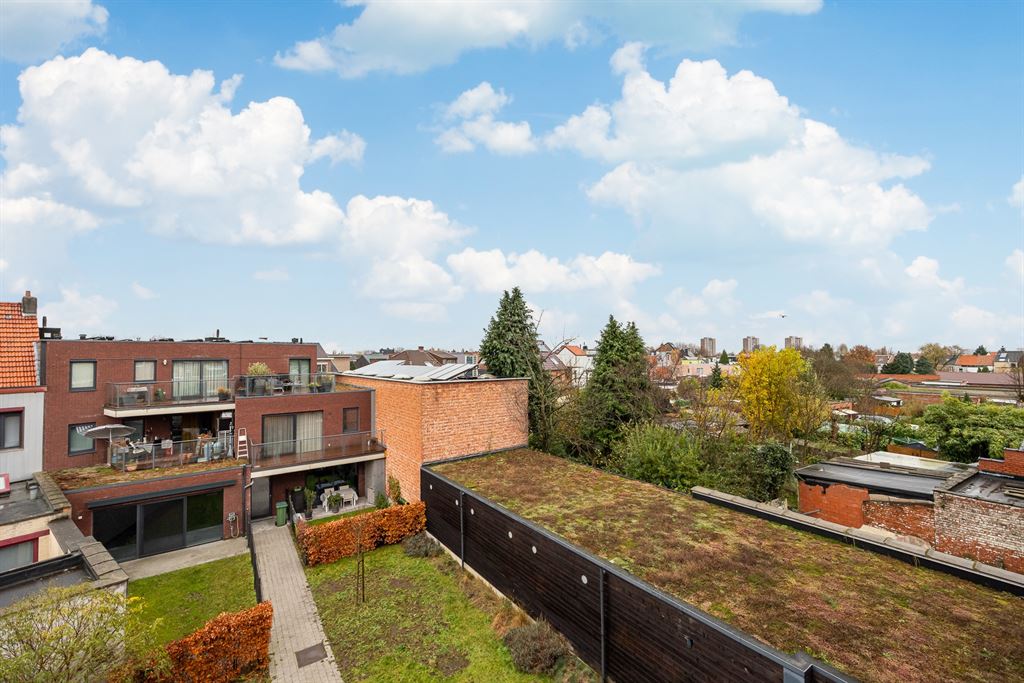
{"type": "Point", "coordinates": [21, 396]}
{"type": "Point", "coordinates": [433, 413]}
{"type": "Point", "coordinates": [203, 428]}
{"type": "Point", "coordinates": [973, 512]}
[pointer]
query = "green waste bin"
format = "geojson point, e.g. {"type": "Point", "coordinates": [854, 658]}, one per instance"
{"type": "Point", "coordinates": [282, 513]}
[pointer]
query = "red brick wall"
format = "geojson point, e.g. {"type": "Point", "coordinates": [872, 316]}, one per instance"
{"type": "Point", "coordinates": [249, 411]}
{"type": "Point", "coordinates": [115, 363]}
{"type": "Point", "coordinates": [837, 503]}
{"type": "Point", "coordinates": [426, 422]}
{"type": "Point", "coordinates": [981, 530]}
{"type": "Point", "coordinates": [1011, 464]}
{"type": "Point", "coordinates": [905, 517]}
{"type": "Point", "coordinates": [82, 515]}
{"type": "Point", "coordinates": [282, 484]}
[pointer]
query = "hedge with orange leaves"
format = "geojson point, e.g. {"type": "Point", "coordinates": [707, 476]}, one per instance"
{"type": "Point", "coordinates": [335, 540]}
{"type": "Point", "coordinates": [226, 648]}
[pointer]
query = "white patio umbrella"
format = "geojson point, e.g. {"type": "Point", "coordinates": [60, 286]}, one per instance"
{"type": "Point", "coordinates": [108, 432]}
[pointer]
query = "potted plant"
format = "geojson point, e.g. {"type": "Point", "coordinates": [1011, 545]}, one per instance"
{"type": "Point", "coordinates": [334, 502]}
{"type": "Point", "coordinates": [257, 372]}
{"type": "Point", "coordinates": [160, 395]}
{"type": "Point", "coordinates": [223, 393]}
{"type": "Point", "coordinates": [310, 498]}
{"type": "Point", "coordinates": [313, 387]}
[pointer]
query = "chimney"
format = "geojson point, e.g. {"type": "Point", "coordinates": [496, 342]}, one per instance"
{"type": "Point", "coordinates": [420, 348]}
{"type": "Point", "coordinates": [29, 304]}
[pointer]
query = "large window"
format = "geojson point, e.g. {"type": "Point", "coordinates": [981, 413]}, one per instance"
{"type": "Point", "coordinates": [11, 429]}
{"type": "Point", "coordinates": [83, 375]}
{"type": "Point", "coordinates": [78, 444]}
{"type": "Point", "coordinates": [292, 433]}
{"type": "Point", "coordinates": [350, 420]}
{"type": "Point", "coordinates": [298, 369]}
{"type": "Point", "coordinates": [199, 378]}
{"type": "Point", "coordinates": [17, 555]}
{"type": "Point", "coordinates": [117, 529]}
{"type": "Point", "coordinates": [130, 531]}
{"type": "Point", "coordinates": [145, 371]}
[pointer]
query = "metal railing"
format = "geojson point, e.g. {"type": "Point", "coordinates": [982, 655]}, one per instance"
{"type": "Point", "coordinates": [130, 395]}
{"type": "Point", "coordinates": [313, 449]}
{"type": "Point", "coordinates": [169, 453]}
{"type": "Point", "coordinates": [284, 383]}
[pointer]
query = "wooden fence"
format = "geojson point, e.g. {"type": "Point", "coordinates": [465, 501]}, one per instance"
{"type": "Point", "coordinates": [624, 628]}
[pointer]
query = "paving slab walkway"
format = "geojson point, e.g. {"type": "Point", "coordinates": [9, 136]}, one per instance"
{"type": "Point", "coordinates": [186, 557]}
{"type": "Point", "coordinates": [296, 633]}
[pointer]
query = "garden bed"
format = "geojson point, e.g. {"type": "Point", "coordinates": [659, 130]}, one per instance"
{"type": "Point", "coordinates": [423, 620]}
{"type": "Point", "coordinates": [870, 615]}
{"type": "Point", "coordinates": [100, 475]}
{"type": "Point", "coordinates": [187, 598]}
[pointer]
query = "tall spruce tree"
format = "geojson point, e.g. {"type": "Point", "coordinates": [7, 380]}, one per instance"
{"type": "Point", "coordinates": [716, 381]}
{"type": "Point", "coordinates": [509, 348]}
{"type": "Point", "coordinates": [724, 358]}
{"type": "Point", "coordinates": [619, 391]}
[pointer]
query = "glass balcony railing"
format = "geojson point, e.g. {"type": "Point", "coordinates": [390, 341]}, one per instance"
{"type": "Point", "coordinates": [279, 384]}
{"type": "Point", "coordinates": [128, 395]}
{"type": "Point", "coordinates": [127, 457]}
{"type": "Point", "coordinates": [314, 449]}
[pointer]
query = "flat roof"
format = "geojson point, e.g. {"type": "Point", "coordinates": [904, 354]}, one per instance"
{"type": "Point", "coordinates": [18, 507]}
{"type": "Point", "coordinates": [873, 616]}
{"type": "Point", "coordinates": [992, 488]}
{"type": "Point", "coordinates": [420, 374]}
{"type": "Point", "coordinates": [896, 482]}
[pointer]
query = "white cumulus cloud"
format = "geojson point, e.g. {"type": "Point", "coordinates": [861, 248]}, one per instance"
{"type": "Point", "coordinates": [717, 298]}
{"type": "Point", "coordinates": [534, 272]}
{"type": "Point", "coordinates": [143, 292]}
{"type": "Point", "coordinates": [1016, 197]}
{"type": "Point", "coordinates": [79, 312]}
{"type": "Point", "coordinates": [36, 29]}
{"type": "Point", "coordinates": [410, 37]}
{"type": "Point", "coordinates": [471, 121]}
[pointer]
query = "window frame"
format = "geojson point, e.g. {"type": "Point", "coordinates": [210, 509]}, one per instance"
{"type": "Point", "coordinates": [135, 371]}
{"type": "Point", "coordinates": [71, 374]}
{"type": "Point", "coordinates": [350, 431]}
{"type": "Point", "coordinates": [71, 429]}
{"type": "Point", "coordinates": [4, 413]}
{"type": "Point", "coordinates": [202, 376]}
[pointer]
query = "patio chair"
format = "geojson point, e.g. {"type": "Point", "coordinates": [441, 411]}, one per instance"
{"type": "Point", "coordinates": [324, 496]}
{"type": "Point", "coordinates": [348, 495]}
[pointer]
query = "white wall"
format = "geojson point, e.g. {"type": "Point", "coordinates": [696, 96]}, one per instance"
{"type": "Point", "coordinates": [22, 462]}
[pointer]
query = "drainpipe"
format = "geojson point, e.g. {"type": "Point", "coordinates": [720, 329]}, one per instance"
{"type": "Point", "coordinates": [245, 507]}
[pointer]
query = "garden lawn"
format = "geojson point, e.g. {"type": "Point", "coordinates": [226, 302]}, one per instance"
{"type": "Point", "coordinates": [332, 518]}
{"type": "Point", "coordinates": [870, 615]}
{"type": "Point", "coordinates": [417, 623]}
{"type": "Point", "coordinates": [187, 598]}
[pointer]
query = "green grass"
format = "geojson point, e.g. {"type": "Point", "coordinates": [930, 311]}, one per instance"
{"type": "Point", "coordinates": [187, 598]}
{"type": "Point", "coordinates": [331, 518]}
{"type": "Point", "coordinates": [417, 624]}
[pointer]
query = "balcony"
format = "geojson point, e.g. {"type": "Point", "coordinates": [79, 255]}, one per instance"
{"type": "Point", "coordinates": [167, 453]}
{"type": "Point", "coordinates": [287, 384]}
{"type": "Point", "coordinates": [321, 451]}
{"type": "Point", "coordinates": [134, 399]}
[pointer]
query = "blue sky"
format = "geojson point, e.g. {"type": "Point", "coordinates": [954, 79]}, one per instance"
{"type": "Point", "coordinates": [377, 173]}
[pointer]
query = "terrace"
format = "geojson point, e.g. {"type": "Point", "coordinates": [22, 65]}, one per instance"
{"type": "Point", "coordinates": [138, 399]}
{"type": "Point", "coordinates": [872, 616]}
{"type": "Point", "coordinates": [319, 451]}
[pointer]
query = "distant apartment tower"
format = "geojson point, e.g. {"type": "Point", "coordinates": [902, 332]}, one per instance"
{"type": "Point", "coordinates": [751, 344]}
{"type": "Point", "coordinates": [707, 347]}
{"type": "Point", "coordinates": [794, 343]}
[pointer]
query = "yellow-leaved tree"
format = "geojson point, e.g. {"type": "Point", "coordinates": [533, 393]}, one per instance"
{"type": "Point", "coordinates": [774, 389]}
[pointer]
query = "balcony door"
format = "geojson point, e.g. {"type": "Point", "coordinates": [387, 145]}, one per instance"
{"type": "Point", "coordinates": [298, 371]}
{"type": "Point", "coordinates": [292, 433]}
{"type": "Point", "coordinates": [199, 379]}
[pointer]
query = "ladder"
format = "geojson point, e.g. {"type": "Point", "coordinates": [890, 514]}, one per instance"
{"type": "Point", "coordinates": [243, 444]}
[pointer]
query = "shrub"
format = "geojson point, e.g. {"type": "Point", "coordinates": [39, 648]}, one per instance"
{"type": "Point", "coordinates": [535, 648]}
{"type": "Point", "coordinates": [659, 455]}
{"type": "Point", "coordinates": [382, 501]}
{"type": "Point", "coordinates": [258, 369]}
{"type": "Point", "coordinates": [395, 489]}
{"type": "Point", "coordinates": [230, 646]}
{"type": "Point", "coordinates": [421, 545]}
{"type": "Point", "coordinates": [335, 540]}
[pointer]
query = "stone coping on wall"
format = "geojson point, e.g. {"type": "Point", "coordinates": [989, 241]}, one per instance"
{"type": "Point", "coordinates": [874, 541]}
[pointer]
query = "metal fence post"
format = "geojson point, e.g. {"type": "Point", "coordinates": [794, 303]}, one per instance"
{"type": "Point", "coordinates": [604, 635]}
{"type": "Point", "coordinates": [462, 530]}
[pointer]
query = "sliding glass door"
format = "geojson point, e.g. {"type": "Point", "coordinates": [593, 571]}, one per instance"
{"type": "Point", "coordinates": [162, 526]}
{"type": "Point", "coordinates": [194, 379]}
{"type": "Point", "coordinates": [131, 531]}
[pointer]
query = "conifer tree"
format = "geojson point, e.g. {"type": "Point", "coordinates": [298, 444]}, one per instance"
{"type": "Point", "coordinates": [716, 381]}
{"type": "Point", "coordinates": [724, 358]}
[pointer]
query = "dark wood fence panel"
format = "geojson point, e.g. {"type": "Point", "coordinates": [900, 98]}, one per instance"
{"type": "Point", "coordinates": [617, 624]}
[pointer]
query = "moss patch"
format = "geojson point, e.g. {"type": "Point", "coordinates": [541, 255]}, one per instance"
{"type": "Point", "coordinates": [873, 616]}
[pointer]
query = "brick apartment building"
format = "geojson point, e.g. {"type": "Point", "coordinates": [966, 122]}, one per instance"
{"type": "Point", "coordinates": [194, 411]}
{"type": "Point", "coordinates": [975, 512]}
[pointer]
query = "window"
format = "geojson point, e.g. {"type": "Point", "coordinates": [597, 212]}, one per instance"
{"type": "Point", "coordinates": [292, 433]}
{"type": "Point", "coordinates": [83, 375]}
{"type": "Point", "coordinates": [18, 554]}
{"type": "Point", "coordinates": [78, 444]}
{"type": "Point", "coordinates": [145, 371]}
{"type": "Point", "coordinates": [470, 358]}
{"type": "Point", "coordinates": [298, 368]}
{"type": "Point", "coordinates": [199, 378]}
{"type": "Point", "coordinates": [349, 420]}
{"type": "Point", "coordinates": [10, 429]}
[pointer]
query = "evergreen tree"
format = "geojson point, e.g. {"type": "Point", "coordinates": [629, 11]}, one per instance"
{"type": "Point", "coordinates": [716, 382]}
{"type": "Point", "coordinates": [902, 364]}
{"type": "Point", "coordinates": [723, 359]}
{"type": "Point", "coordinates": [923, 366]}
{"type": "Point", "coordinates": [619, 391]}
{"type": "Point", "coordinates": [980, 351]}
{"type": "Point", "coordinates": [509, 349]}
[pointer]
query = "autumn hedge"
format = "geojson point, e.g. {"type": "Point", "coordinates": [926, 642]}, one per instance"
{"type": "Point", "coordinates": [335, 540]}
{"type": "Point", "coordinates": [226, 648]}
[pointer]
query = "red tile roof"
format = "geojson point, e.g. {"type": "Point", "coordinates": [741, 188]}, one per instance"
{"type": "Point", "coordinates": [970, 361]}
{"type": "Point", "coordinates": [575, 350]}
{"type": "Point", "coordinates": [18, 334]}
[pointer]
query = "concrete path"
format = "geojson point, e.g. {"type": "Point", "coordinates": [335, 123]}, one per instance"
{"type": "Point", "coordinates": [297, 633]}
{"type": "Point", "coordinates": [186, 557]}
